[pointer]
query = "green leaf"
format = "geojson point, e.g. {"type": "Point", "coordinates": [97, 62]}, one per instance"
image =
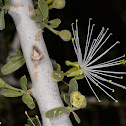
{"type": "Point", "coordinates": [34, 120]}
{"type": "Point", "coordinates": [73, 86]}
{"type": "Point", "coordinates": [2, 83]}
{"type": "Point", "coordinates": [14, 57]}
{"type": "Point", "coordinates": [67, 99]}
{"type": "Point", "coordinates": [6, 6]}
{"type": "Point", "coordinates": [55, 65]}
{"type": "Point", "coordinates": [56, 21]}
{"type": "Point", "coordinates": [57, 75]}
{"type": "Point", "coordinates": [19, 53]}
{"type": "Point", "coordinates": [27, 125]}
{"type": "Point", "coordinates": [1, 3]}
{"type": "Point", "coordinates": [53, 26]}
{"type": "Point", "coordinates": [37, 18]}
{"type": "Point", "coordinates": [28, 100]}
{"type": "Point", "coordinates": [43, 7]}
{"type": "Point", "coordinates": [76, 117]}
{"type": "Point", "coordinates": [11, 93]}
{"type": "Point", "coordinates": [6, 1]}
{"type": "Point", "coordinates": [56, 112]}
{"type": "Point", "coordinates": [45, 20]}
{"type": "Point", "coordinates": [38, 12]}
{"type": "Point", "coordinates": [23, 81]}
{"type": "Point", "coordinates": [2, 21]}
{"type": "Point", "coordinates": [41, 25]}
{"type": "Point", "coordinates": [12, 66]}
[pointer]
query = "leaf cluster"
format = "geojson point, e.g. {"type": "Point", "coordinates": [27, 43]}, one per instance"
{"type": "Point", "coordinates": [4, 5]}
{"type": "Point", "coordinates": [11, 91]}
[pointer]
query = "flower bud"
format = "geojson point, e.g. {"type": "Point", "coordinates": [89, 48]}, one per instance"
{"type": "Point", "coordinates": [59, 4]}
{"type": "Point", "coordinates": [65, 35]}
{"type": "Point", "coordinates": [78, 100]}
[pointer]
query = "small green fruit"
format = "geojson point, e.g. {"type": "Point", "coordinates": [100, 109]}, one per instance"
{"type": "Point", "coordinates": [59, 4]}
{"type": "Point", "coordinates": [65, 35]}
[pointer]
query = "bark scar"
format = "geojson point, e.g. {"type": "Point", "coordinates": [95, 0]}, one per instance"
{"type": "Point", "coordinates": [37, 56]}
{"type": "Point", "coordinates": [31, 9]}
{"type": "Point", "coordinates": [37, 36]}
{"type": "Point", "coordinates": [18, 5]}
{"type": "Point", "coordinates": [36, 76]}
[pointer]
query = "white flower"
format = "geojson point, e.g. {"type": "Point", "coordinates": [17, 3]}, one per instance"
{"type": "Point", "coordinates": [93, 73]}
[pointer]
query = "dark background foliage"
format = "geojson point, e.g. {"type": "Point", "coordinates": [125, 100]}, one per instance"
{"type": "Point", "coordinates": [108, 13]}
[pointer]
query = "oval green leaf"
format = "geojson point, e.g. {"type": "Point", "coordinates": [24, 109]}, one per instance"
{"type": "Point", "coordinates": [56, 112]}
{"type": "Point", "coordinates": [2, 21]}
{"type": "Point", "coordinates": [28, 100]}
{"type": "Point", "coordinates": [23, 81]}
{"type": "Point", "coordinates": [41, 25]}
{"type": "Point", "coordinates": [76, 117]}
{"type": "Point", "coordinates": [12, 66]}
{"type": "Point", "coordinates": [19, 53]}
{"type": "Point", "coordinates": [43, 7]}
{"type": "Point", "coordinates": [2, 83]}
{"type": "Point", "coordinates": [53, 26]}
{"type": "Point", "coordinates": [56, 21]}
{"type": "Point", "coordinates": [38, 12]}
{"type": "Point", "coordinates": [1, 3]}
{"type": "Point", "coordinates": [37, 18]}
{"type": "Point", "coordinates": [67, 99]}
{"type": "Point", "coordinates": [11, 93]}
{"type": "Point", "coordinates": [55, 65]}
{"type": "Point", "coordinates": [14, 57]}
{"type": "Point", "coordinates": [73, 86]}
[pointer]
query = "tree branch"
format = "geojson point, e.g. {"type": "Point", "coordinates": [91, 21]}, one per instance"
{"type": "Point", "coordinates": [45, 90]}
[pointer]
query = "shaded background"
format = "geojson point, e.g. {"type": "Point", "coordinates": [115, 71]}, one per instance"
{"type": "Point", "coordinates": [107, 13]}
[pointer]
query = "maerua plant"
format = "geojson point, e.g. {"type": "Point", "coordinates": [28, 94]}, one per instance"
{"type": "Point", "coordinates": [30, 18]}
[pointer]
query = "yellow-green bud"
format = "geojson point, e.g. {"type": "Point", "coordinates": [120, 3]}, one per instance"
{"type": "Point", "coordinates": [78, 100]}
{"type": "Point", "coordinates": [65, 35]}
{"type": "Point", "coordinates": [59, 4]}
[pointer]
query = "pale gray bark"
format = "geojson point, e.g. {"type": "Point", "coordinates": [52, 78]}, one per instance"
{"type": "Point", "coordinates": [45, 90]}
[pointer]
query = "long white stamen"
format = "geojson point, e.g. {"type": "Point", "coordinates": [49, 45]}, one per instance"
{"type": "Point", "coordinates": [92, 89]}
{"type": "Point", "coordinates": [112, 61]}
{"type": "Point", "coordinates": [38, 120]}
{"type": "Point", "coordinates": [96, 72]}
{"type": "Point", "coordinates": [29, 118]}
{"type": "Point", "coordinates": [77, 45]}
{"type": "Point", "coordinates": [102, 54]}
{"type": "Point", "coordinates": [105, 65]}
{"type": "Point", "coordinates": [88, 43]}
{"type": "Point", "coordinates": [97, 42]}
{"type": "Point", "coordinates": [98, 82]}
{"type": "Point", "coordinates": [87, 39]}
{"type": "Point", "coordinates": [93, 53]}
{"type": "Point", "coordinates": [93, 43]}
{"type": "Point", "coordinates": [113, 72]}
{"type": "Point", "coordinates": [102, 88]}
{"type": "Point", "coordinates": [109, 81]}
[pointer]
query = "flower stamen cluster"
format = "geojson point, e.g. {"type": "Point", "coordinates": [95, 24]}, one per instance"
{"type": "Point", "coordinates": [93, 72]}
